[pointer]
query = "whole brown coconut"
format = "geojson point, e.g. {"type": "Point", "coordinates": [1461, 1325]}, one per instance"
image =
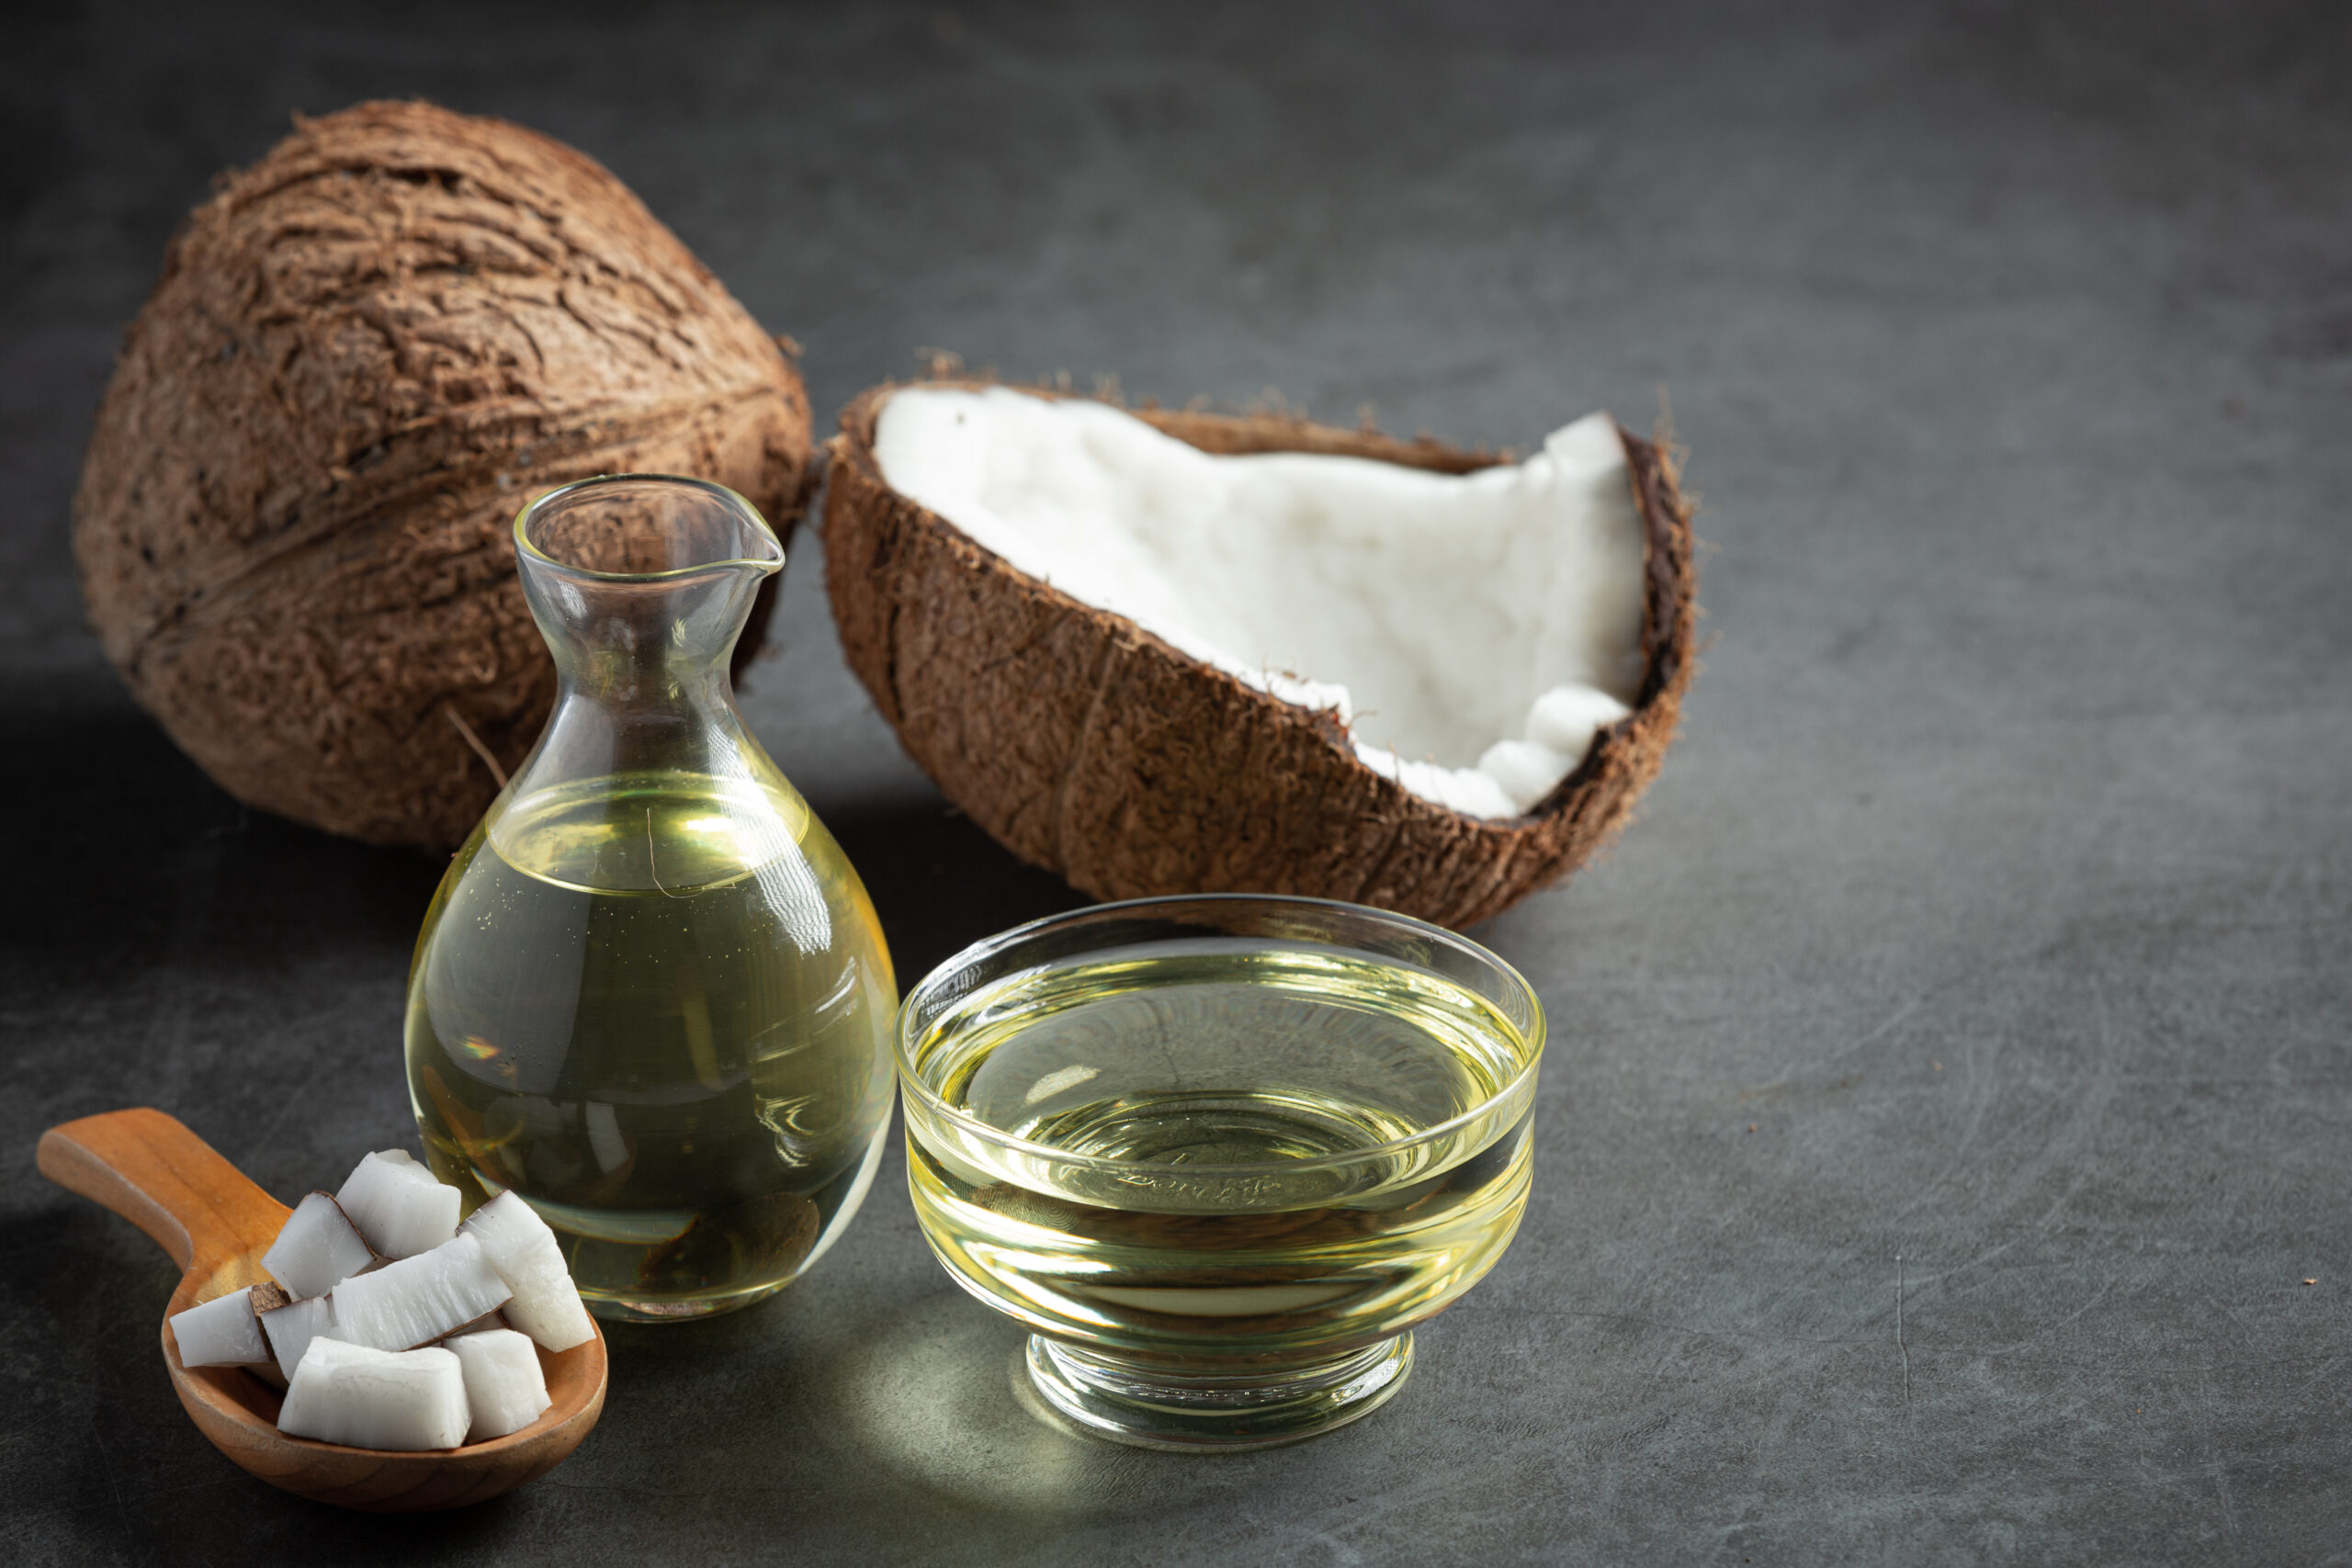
{"type": "Point", "coordinates": [1091, 747]}
{"type": "Point", "coordinates": [366, 353]}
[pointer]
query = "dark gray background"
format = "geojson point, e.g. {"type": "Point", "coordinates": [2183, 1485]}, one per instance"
{"type": "Point", "coordinates": [1950, 1096]}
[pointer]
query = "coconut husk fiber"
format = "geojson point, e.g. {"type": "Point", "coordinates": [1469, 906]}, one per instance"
{"type": "Point", "coordinates": [1096, 751]}
{"type": "Point", "coordinates": [366, 353]}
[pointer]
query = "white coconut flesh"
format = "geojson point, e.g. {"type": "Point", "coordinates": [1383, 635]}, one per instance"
{"type": "Point", "coordinates": [403, 1401]}
{"type": "Point", "coordinates": [292, 1328]}
{"type": "Point", "coordinates": [419, 1299]}
{"type": "Point", "coordinates": [1471, 632]}
{"type": "Point", "coordinates": [505, 1389]}
{"type": "Point", "coordinates": [525, 1251]}
{"type": "Point", "coordinates": [397, 1205]}
{"type": "Point", "coordinates": [317, 1248]}
{"type": "Point", "coordinates": [222, 1332]}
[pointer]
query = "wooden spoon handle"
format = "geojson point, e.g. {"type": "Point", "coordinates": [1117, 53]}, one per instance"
{"type": "Point", "coordinates": [163, 1178]}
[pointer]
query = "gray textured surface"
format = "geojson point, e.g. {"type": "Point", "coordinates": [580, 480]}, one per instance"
{"type": "Point", "coordinates": [1952, 1091]}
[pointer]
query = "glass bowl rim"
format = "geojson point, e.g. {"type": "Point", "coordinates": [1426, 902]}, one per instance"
{"type": "Point", "coordinates": [527, 546]}
{"type": "Point", "coordinates": [911, 1082]}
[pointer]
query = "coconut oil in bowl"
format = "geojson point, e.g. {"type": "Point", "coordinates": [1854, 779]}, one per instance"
{"type": "Point", "coordinates": [1219, 1154]}
{"type": "Point", "coordinates": [651, 995]}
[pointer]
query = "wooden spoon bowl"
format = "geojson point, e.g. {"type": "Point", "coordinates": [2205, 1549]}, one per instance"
{"type": "Point", "coordinates": [216, 1224]}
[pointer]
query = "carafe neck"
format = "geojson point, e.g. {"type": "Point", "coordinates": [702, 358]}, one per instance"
{"type": "Point", "coordinates": [641, 585]}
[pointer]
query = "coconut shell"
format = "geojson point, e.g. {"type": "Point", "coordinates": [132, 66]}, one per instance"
{"type": "Point", "coordinates": [1088, 746]}
{"type": "Point", "coordinates": [366, 353]}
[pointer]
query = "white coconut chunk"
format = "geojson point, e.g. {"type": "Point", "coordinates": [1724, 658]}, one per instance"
{"type": "Point", "coordinates": [291, 1328]}
{"type": "Point", "coordinates": [1433, 615]}
{"type": "Point", "coordinates": [401, 1400]}
{"type": "Point", "coordinates": [482, 1325]}
{"type": "Point", "coordinates": [526, 1255]}
{"type": "Point", "coordinates": [414, 1301]}
{"type": "Point", "coordinates": [397, 1206]}
{"type": "Point", "coordinates": [222, 1332]}
{"type": "Point", "coordinates": [317, 1248]}
{"type": "Point", "coordinates": [504, 1384]}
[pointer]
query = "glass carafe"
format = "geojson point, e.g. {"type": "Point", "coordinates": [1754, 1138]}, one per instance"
{"type": "Point", "coordinates": [651, 995]}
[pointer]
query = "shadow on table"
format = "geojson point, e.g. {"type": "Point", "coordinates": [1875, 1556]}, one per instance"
{"type": "Point", "coordinates": [938, 881]}
{"type": "Point", "coordinates": [936, 1392]}
{"type": "Point", "coordinates": [130, 845]}
{"type": "Point", "coordinates": [122, 832]}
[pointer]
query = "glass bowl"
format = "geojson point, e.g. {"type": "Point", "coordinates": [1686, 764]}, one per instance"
{"type": "Point", "coordinates": [1220, 1153]}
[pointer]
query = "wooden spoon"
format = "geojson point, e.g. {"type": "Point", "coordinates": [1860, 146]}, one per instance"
{"type": "Point", "coordinates": [216, 1224]}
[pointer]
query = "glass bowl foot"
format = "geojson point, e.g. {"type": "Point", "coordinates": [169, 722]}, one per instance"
{"type": "Point", "coordinates": [1150, 1407]}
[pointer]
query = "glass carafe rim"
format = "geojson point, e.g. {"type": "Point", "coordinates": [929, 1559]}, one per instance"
{"type": "Point", "coordinates": [529, 549]}
{"type": "Point", "coordinates": [933, 1105]}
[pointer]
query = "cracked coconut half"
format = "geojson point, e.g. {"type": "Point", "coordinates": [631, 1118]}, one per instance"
{"type": "Point", "coordinates": [1181, 653]}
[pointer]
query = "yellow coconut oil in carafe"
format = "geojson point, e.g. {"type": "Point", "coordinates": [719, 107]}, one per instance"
{"type": "Point", "coordinates": [651, 995]}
